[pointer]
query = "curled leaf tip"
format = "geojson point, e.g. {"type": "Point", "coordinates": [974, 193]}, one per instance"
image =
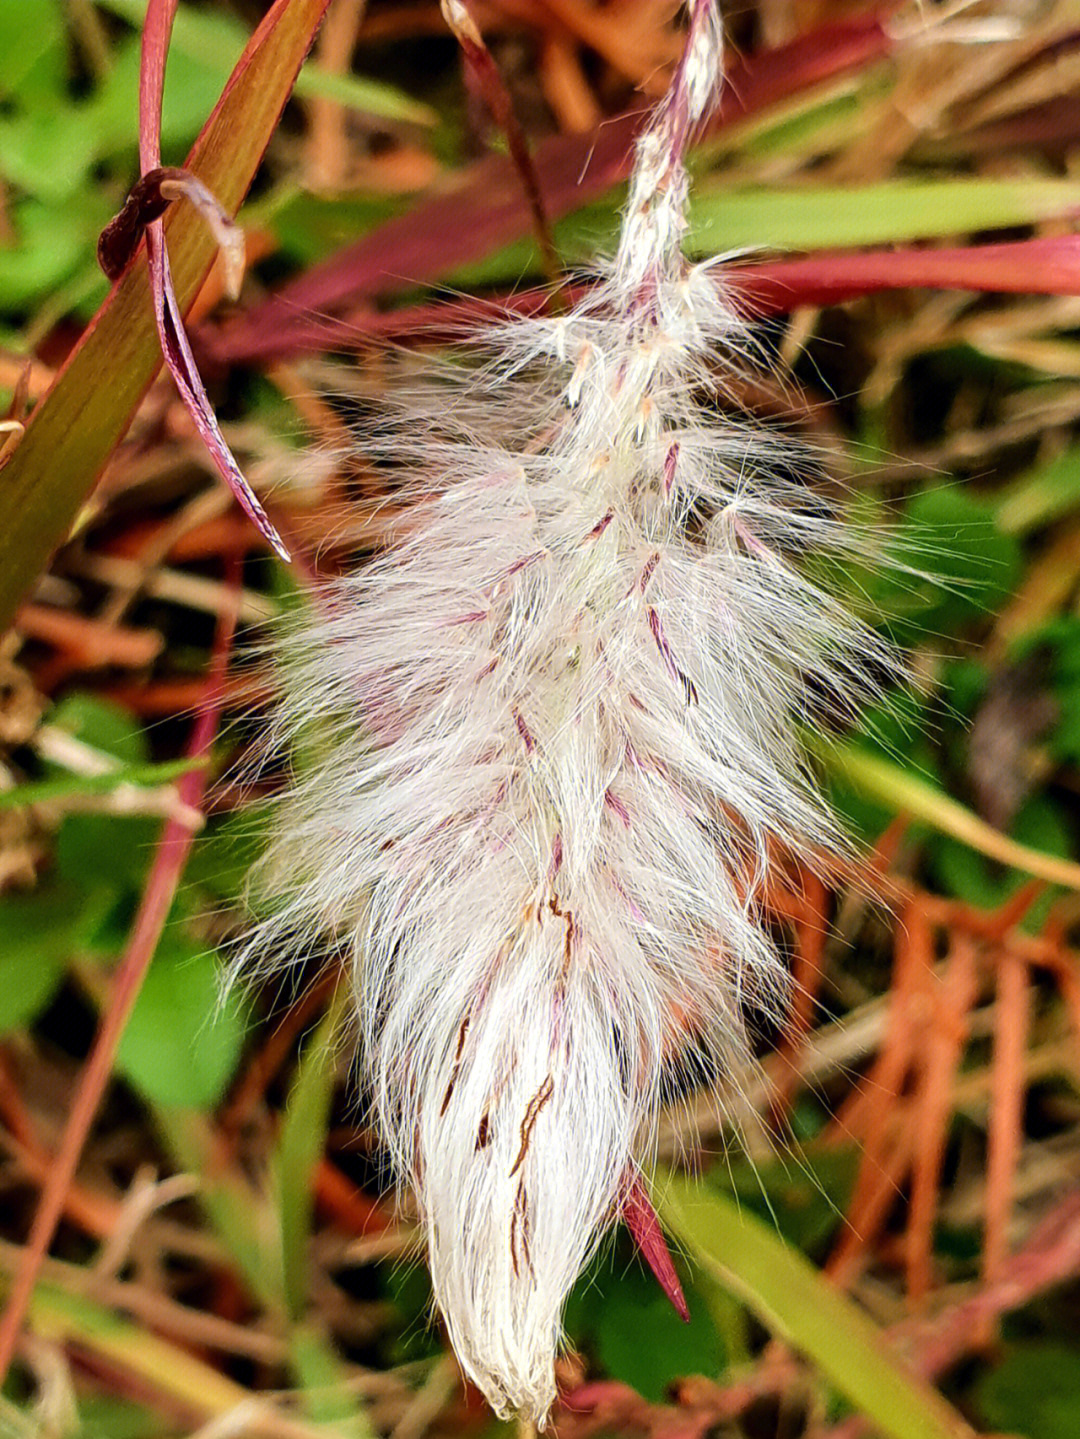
{"type": "Point", "coordinates": [148, 200]}
{"type": "Point", "coordinates": [181, 184]}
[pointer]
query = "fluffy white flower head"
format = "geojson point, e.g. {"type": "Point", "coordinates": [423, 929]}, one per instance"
{"type": "Point", "coordinates": [565, 710]}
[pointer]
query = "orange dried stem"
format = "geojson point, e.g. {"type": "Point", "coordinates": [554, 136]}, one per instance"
{"type": "Point", "coordinates": [1007, 1086]}
{"type": "Point", "coordinates": [941, 1054]}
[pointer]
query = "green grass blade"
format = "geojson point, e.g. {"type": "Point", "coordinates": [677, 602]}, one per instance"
{"type": "Point", "coordinates": [165, 1368]}
{"type": "Point", "coordinates": [906, 792]}
{"type": "Point", "coordinates": [317, 1370]}
{"type": "Point", "coordinates": [322, 1379]}
{"type": "Point", "coordinates": [723, 219]}
{"type": "Point", "coordinates": [370, 97]}
{"type": "Point", "coordinates": [241, 1216]}
{"type": "Point", "coordinates": [1040, 496]}
{"type": "Point", "coordinates": [803, 1307]}
{"type": "Point", "coordinates": [300, 1146]}
{"type": "Point", "coordinates": [893, 212]}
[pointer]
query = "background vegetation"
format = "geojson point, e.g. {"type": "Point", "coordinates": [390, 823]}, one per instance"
{"type": "Point", "coordinates": [891, 1242]}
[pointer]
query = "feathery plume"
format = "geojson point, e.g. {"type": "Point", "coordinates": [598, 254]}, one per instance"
{"type": "Point", "coordinates": [557, 740]}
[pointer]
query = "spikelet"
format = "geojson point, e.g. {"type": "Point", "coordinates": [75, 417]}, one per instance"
{"type": "Point", "coordinates": [564, 717]}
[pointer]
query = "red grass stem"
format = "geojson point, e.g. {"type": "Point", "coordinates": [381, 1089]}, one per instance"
{"type": "Point", "coordinates": [170, 858]}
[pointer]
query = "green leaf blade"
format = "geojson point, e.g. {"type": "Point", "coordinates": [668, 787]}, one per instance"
{"type": "Point", "coordinates": [802, 1306]}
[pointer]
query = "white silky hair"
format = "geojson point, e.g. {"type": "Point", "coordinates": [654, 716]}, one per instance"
{"type": "Point", "coordinates": [553, 744]}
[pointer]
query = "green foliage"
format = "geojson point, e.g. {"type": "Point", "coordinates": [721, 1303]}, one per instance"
{"type": "Point", "coordinates": [69, 160]}
{"type": "Point", "coordinates": [616, 1305]}
{"type": "Point", "coordinates": [909, 793]}
{"type": "Point", "coordinates": [723, 218]}
{"type": "Point", "coordinates": [802, 1195]}
{"type": "Point", "coordinates": [893, 211]}
{"type": "Point", "coordinates": [409, 1289]}
{"type": "Point", "coordinates": [42, 932]}
{"type": "Point", "coordinates": [52, 246]}
{"type": "Point", "coordinates": [99, 861]}
{"type": "Point", "coordinates": [212, 42]}
{"type": "Point", "coordinates": [54, 146]}
{"type": "Point", "coordinates": [1033, 1391]}
{"type": "Point", "coordinates": [48, 145]}
{"type": "Point", "coordinates": [955, 564]}
{"type": "Point", "coordinates": [104, 726]}
{"type": "Point", "coordinates": [108, 850]}
{"type": "Point", "coordinates": [101, 1416]}
{"type": "Point", "coordinates": [895, 731]}
{"type": "Point", "coordinates": [103, 851]}
{"type": "Point", "coordinates": [310, 227]}
{"type": "Point", "coordinates": [322, 1379]}
{"type": "Point", "coordinates": [31, 41]}
{"type": "Point", "coordinates": [155, 1365]}
{"type": "Point", "coordinates": [1060, 640]}
{"type": "Point", "coordinates": [69, 157]}
{"type": "Point", "coordinates": [950, 566]}
{"type": "Point", "coordinates": [182, 1042]}
{"type": "Point", "coordinates": [617, 1301]}
{"type": "Point", "coordinates": [222, 858]}
{"type": "Point", "coordinates": [966, 550]}
{"type": "Point", "coordinates": [68, 786]}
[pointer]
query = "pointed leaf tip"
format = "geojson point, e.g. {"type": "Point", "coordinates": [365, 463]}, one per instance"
{"type": "Point", "coordinates": [640, 1218]}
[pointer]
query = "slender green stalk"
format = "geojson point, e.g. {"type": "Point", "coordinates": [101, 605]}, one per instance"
{"type": "Point", "coordinates": [72, 786]}
{"type": "Point", "coordinates": [908, 793]}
